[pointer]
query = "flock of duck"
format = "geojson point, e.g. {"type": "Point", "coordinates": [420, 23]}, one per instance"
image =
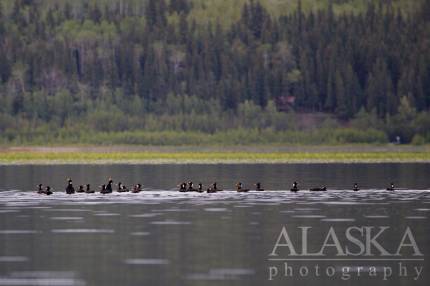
{"type": "Point", "coordinates": [183, 188]}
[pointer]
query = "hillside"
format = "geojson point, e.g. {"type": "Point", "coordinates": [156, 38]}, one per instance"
{"type": "Point", "coordinates": [70, 69]}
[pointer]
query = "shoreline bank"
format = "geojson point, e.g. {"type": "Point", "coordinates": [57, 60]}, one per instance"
{"type": "Point", "coordinates": [58, 155]}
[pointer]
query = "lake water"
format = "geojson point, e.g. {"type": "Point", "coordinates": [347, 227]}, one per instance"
{"type": "Point", "coordinates": [163, 237]}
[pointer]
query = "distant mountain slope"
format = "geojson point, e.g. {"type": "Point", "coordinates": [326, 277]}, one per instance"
{"type": "Point", "coordinates": [110, 65]}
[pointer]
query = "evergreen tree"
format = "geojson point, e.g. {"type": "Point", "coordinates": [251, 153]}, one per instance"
{"type": "Point", "coordinates": [307, 61]}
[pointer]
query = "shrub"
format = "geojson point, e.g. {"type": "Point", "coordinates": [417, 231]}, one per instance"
{"type": "Point", "coordinates": [419, 140]}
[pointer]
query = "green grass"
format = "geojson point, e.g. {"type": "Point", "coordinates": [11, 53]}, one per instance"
{"type": "Point", "coordinates": [237, 137]}
{"type": "Point", "coordinates": [28, 157]}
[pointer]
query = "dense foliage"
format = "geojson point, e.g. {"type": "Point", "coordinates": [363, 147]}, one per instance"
{"type": "Point", "coordinates": [72, 67]}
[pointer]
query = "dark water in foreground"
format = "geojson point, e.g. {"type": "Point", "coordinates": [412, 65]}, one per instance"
{"type": "Point", "coordinates": [162, 237]}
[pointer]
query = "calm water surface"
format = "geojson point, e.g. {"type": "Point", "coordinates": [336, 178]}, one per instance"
{"type": "Point", "coordinates": [162, 237]}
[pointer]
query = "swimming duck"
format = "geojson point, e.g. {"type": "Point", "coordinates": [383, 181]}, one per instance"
{"type": "Point", "coordinates": [104, 190]}
{"type": "Point", "coordinates": [48, 191]}
{"type": "Point", "coordinates": [240, 189]}
{"type": "Point", "coordinates": [81, 189]}
{"type": "Point", "coordinates": [200, 188]}
{"type": "Point", "coordinates": [122, 188]}
{"type": "Point", "coordinates": [355, 188]}
{"type": "Point", "coordinates": [137, 189]}
{"type": "Point", "coordinates": [391, 187]}
{"type": "Point", "coordinates": [318, 189]}
{"type": "Point", "coordinates": [109, 186]}
{"type": "Point", "coordinates": [191, 187]}
{"type": "Point", "coordinates": [295, 187]}
{"type": "Point", "coordinates": [40, 190]}
{"type": "Point", "coordinates": [183, 187]}
{"type": "Point", "coordinates": [88, 190]}
{"type": "Point", "coordinates": [258, 187]}
{"type": "Point", "coordinates": [70, 189]}
{"type": "Point", "coordinates": [213, 189]}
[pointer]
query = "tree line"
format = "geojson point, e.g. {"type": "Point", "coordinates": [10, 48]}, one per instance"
{"type": "Point", "coordinates": [62, 64]}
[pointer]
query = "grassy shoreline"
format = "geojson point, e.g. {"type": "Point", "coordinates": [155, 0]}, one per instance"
{"type": "Point", "coordinates": [215, 155]}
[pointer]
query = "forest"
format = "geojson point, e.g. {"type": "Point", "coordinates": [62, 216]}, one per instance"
{"type": "Point", "coordinates": [175, 72]}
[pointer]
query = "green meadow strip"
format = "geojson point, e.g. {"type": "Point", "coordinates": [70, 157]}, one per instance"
{"type": "Point", "coordinates": [208, 157]}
